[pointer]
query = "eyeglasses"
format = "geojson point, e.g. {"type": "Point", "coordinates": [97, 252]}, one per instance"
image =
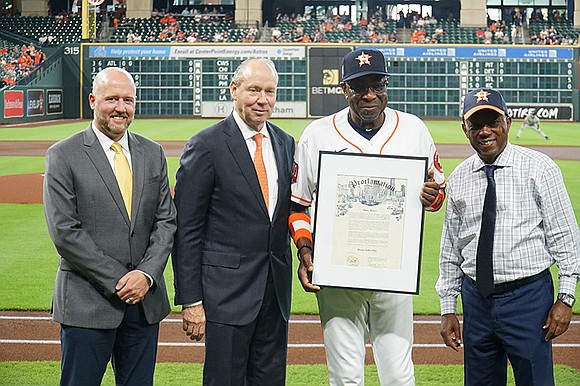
{"type": "Point", "coordinates": [379, 88]}
{"type": "Point", "coordinates": [478, 124]}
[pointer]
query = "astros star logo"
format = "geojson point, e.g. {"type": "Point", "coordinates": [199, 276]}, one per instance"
{"type": "Point", "coordinates": [482, 96]}
{"type": "Point", "coordinates": [363, 59]}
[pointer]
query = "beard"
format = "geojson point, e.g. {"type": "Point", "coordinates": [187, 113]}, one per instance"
{"type": "Point", "coordinates": [112, 128]}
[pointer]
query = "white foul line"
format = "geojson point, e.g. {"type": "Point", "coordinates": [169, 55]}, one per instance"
{"type": "Point", "coordinates": [290, 345]}
{"type": "Point", "coordinates": [177, 320]}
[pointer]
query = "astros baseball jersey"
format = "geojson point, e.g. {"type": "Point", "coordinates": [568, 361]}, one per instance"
{"type": "Point", "coordinates": [401, 134]}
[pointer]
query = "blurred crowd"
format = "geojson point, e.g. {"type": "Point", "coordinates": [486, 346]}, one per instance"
{"type": "Point", "coordinates": [375, 29]}
{"type": "Point", "coordinates": [17, 62]}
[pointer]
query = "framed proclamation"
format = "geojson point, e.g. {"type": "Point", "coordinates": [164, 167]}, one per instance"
{"type": "Point", "coordinates": [368, 222]}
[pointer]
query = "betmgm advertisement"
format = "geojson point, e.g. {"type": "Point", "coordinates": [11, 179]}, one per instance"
{"type": "Point", "coordinates": [326, 96]}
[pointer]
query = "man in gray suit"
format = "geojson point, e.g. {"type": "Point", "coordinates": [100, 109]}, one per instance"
{"type": "Point", "coordinates": [113, 239]}
{"type": "Point", "coordinates": [231, 259]}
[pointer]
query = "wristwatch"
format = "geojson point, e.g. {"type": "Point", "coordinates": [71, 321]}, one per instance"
{"type": "Point", "coordinates": [568, 300]}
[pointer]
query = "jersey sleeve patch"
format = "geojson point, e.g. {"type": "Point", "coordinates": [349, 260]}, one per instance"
{"type": "Point", "coordinates": [294, 172]}
{"type": "Point", "coordinates": [436, 162]}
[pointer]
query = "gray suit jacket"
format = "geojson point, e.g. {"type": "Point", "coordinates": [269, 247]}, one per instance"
{"type": "Point", "coordinates": [97, 244]}
{"type": "Point", "coordinates": [226, 245]}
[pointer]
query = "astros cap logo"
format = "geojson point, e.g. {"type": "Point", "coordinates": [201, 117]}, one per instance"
{"type": "Point", "coordinates": [482, 96]}
{"type": "Point", "coordinates": [363, 59]}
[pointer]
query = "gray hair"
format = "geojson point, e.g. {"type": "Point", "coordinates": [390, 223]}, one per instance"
{"type": "Point", "coordinates": [241, 72]}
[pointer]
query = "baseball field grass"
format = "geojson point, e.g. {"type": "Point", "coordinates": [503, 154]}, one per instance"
{"type": "Point", "coordinates": [28, 260]}
{"type": "Point", "coordinates": [47, 373]}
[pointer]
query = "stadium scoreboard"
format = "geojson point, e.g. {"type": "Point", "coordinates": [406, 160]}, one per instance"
{"type": "Point", "coordinates": [429, 81]}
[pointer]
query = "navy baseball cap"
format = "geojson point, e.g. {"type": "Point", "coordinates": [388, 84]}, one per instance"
{"type": "Point", "coordinates": [484, 98]}
{"type": "Point", "coordinates": [363, 62]}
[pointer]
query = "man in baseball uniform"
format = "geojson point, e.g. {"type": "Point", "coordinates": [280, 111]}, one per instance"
{"type": "Point", "coordinates": [351, 316]}
{"type": "Point", "coordinates": [531, 122]}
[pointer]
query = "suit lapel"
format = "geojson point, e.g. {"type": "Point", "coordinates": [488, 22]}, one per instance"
{"type": "Point", "coordinates": [279, 154]}
{"type": "Point", "coordinates": [99, 159]}
{"type": "Point", "coordinates": [237, 146]}
{"type": "Point", "coordinates": [138, 164]}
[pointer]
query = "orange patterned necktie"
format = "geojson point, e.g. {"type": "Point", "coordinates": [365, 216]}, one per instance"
{"type": "Point", "coordinates": [261, 167]}
{"type": "Point", "coordinates": [123, 175]}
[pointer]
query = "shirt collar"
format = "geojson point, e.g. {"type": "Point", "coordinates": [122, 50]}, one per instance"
{"type": "Point", "coordinates": [247, 131]}
{"type": "Point", "coordinates": [106, 142]}
{"type": "Point", "coordinates": [504, 159]}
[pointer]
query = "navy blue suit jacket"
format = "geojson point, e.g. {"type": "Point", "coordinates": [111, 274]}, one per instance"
{"type": "Point", "coordinates": [226, 243]}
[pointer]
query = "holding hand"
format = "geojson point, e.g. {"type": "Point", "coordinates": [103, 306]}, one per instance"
{"type": "Point", "coordinates": [430, 194]}
{"type": "Point", "coordinates": [132, 287]}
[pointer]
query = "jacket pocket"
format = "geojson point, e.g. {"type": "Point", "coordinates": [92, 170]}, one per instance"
{"type": "Point", "coordinates": [221, 259]}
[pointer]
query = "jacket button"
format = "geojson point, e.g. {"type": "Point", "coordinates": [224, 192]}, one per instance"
{"type": "Point", "coordinates": [132, 234]}
{"type": "Point", "coordinates": [130, 266]}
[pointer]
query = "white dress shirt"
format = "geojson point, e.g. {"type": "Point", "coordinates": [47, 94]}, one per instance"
{"type": "Point", "coordinates": [269, 158]}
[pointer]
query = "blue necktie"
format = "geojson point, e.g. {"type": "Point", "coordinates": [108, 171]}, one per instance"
{"type": "Point", "coordinates": [484, 265]}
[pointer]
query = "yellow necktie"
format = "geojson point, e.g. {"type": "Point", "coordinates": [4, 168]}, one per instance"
{"type": "Point", "coordinates": [261, 167]}
{"type": "Point", "coordinates": [123, 175]}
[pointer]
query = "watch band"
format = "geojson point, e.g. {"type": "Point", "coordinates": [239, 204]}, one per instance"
{"type": "Point", "coordinates": [567, 299]}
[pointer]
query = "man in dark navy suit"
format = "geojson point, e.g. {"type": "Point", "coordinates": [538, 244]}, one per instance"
{"type": "Point", "coordinates": [231, 258]}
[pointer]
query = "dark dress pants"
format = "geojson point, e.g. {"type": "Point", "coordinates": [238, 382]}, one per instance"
{"type": "Point", "coordinates": [508, 326]}
{"type": "Point", "coordinates": [251, 355]}
{"type": "Point", "coordinates": [131, 347]}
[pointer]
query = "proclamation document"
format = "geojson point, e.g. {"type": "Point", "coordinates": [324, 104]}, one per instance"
{"type": "Point", "coordinates": [368, 221]}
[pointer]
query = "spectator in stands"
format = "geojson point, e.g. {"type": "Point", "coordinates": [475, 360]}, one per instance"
{"type": "Point", "coordinates": [487, 35]}
{"type": "Point", "coordinates": [480, 34]}
{"type": "Point", "coordinates": [418, 36]}
{"type": "Point", "coordinates": [518, 23]}
{"type": "Point", "coordinates": [130, 36]}
{"type": "Point", "coordinates": [192, 37]}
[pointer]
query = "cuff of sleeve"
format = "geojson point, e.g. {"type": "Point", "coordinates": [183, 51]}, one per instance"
{"type": "Point", "coordinates": [567, 285]}
{"type": "Point", "coordinates": [192, 304]}
{"type": "Point", "coordinates": [448, 305]}
{"type": "Point", "coordinates": [151, 282]}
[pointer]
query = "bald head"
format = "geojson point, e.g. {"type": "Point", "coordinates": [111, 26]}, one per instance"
{"type": "Point", "coordinates": [112, 74]}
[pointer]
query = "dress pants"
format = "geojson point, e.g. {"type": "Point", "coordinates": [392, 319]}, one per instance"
{"type": "Point", "coordinates": [131, 347]}
{"type": "Point", "coordinates": [250, 355]}
{"type": "Point", "coordinates": [508, 326]}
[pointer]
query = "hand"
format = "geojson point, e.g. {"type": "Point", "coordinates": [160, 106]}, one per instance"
{"type": "Point", "coordinates": [430, 190]}
{"type": "Point", "coordinates": [132, 287]}
{"type": "Point", "coordinates": [305, 270]}
{"type": "Point", "coordinates": [194, 321]}
{"type": "Point", "coordinates": [451, 331]}
{"type": "Point", "coordinates": [558, 320]}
